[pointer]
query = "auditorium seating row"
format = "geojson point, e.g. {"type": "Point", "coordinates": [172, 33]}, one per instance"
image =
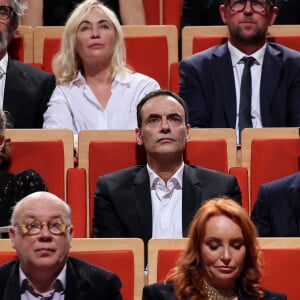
{"type": "Point", "coordinates": [125, 257]}
{"type": "Point", "coordinates": [266, 154]}
{"type": "Point", "coordinates": [151, 49]}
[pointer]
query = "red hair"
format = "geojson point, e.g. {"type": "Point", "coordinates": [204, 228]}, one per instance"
{"type": "Point", "coordinates": [187, 275]}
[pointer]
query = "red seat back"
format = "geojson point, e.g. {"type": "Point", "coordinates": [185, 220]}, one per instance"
{"type": "Point", "coordinates": [149, 55]}
{"type": "Point", "coordinates": [46, 157]}
{"type": "Point", "coordinates": [272, 158]}
{"type": "Point", "coordinates": [152, 11]}
{"type": "Point", "coordinates": [286, 262]}
{"type": "Point", "coordinates": [120, 262]}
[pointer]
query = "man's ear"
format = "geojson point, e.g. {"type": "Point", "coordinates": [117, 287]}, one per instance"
{"type": "Point", "coordinates": [187, 134]}
{"type": "Point", "coordinates": [223, 12]}
{"type": "Point", "coordinates": [12, 235]}
{"type": "Point", "coordinates": [138, 136]}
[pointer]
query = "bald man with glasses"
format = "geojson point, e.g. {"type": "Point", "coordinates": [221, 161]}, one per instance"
{"type": "Point", "coordinates": [41, 232]}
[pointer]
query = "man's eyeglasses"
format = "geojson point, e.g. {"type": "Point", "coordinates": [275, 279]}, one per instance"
{"type": "Point", "coordinates": [257, 6]}
{"type": "Point", "coordinates": [5, 12]}
{"type": "Point", "coordinates": [35, 227]}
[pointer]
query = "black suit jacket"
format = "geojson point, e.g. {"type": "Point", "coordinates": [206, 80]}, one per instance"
{"type": "Point", "coordinates": [161, 291]}
{"type": "Point", "coordinates": [123, 207]}
{"type": "Point", "coordinates": [207, 85]}
{"type": "Point", "coordinates": [277, 209]}
{"type": "Point", "coordinates": [83, 282]}
{"type": "Point", "coordinates": [26, 94]}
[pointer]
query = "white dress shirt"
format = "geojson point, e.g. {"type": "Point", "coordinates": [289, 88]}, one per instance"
{"type": "Point", "coordinates": [3, 69]}
{"type": "Point", "coordinates": [238, 67]}
{"type": "Point", "coordinates": [166, 205]}
{"type": "Point", "coordinates": [74, 106]}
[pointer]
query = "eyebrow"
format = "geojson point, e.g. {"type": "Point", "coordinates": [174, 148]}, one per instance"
{"type": "Point", "coordinates": [98, 22]}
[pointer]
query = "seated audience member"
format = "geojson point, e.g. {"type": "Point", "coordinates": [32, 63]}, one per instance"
{"type": "Point", "coordinates": [55, 12]}
{"type": "Point", "coordinates": [14, 186]}
{"type": "Point", "coordinates": [206, 12]}
{"type": "Point", "coordinates": [41, 232]}
{"type": "Point", "coordinates": [157, 200]}
{"type": "Point", "coordinates": [95, 89]}
{"type": "Point", "coordinates": [222, 259]}
{"type": "Point", "coordinates": [216, 83]}
{"type": "Point", "coordinates": [277, 208]}
{"type": "Point", "coordinates": [24, 90]}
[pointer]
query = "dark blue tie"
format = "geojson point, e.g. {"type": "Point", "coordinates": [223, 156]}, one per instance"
{"type": "Point", "coordinates": [245, 120]}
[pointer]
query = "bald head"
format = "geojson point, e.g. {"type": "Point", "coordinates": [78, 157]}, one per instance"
{"type": "Point", "coordinates": [41, 202]}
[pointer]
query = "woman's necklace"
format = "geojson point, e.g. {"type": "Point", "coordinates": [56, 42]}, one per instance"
{"type": "Point", "coordinates": [219, 294]}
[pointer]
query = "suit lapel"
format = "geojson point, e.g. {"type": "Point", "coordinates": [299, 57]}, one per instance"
{"type": "Point", "coordinates": [12, 94]}
{"type": "Point", "coordinates": [142, 198]}
{"type": "Point", "coordinates": [272, 64]}
{"type": "Point", "coordinates": [191, 196]}
{"type": "Point", "coordinates": [12, 290]}
{"type": "Point", "coordinates": [225, 82]}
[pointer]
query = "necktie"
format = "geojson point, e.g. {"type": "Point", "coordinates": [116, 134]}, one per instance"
{"type": "Point", "coordinates": [245, 120]}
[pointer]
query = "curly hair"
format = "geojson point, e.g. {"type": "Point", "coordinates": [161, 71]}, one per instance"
{"type": "Point", "coordinates": [187, 275]}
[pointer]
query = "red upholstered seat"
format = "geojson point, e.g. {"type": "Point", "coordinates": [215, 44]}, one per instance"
{"type": "Point", "coordinates": [272, 158]}
{"type": "Point", "coordinates": [120, 262]}
{"type": "Point", "coordinates": [152, 11]}
{"type": "Point", "coordinates": [282, 270]}
{"type": "Point", "coordinates": [51, 47]}
{"type": "Point", "coordinates": [201, 43]}
{"type": "Point", "coordinates": [46, 157]}
{"type": "Point", "coordinates": [149, 55]}
{"type": "Point", "coordinates": [6, 256]}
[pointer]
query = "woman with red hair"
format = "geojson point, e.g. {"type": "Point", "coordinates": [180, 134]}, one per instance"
{"type": "Point", "coordinates": [222, 260]}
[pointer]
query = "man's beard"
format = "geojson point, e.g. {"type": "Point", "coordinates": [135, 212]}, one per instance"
{"type": "Point", "coordinates": [256, 38]}
{"type": "Point", "coordinates": [4, 40]}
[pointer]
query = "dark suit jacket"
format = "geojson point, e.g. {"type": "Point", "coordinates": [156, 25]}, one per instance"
{"type": "Point", "coordinates": [123, 207]}
{"type": "Point", "coordinates": [207, 85]}
{"type": "Point", "coordinates": [277, 209]}
{"type": "Point", "coordinates": [83, 282]}
{"type": "Point", "coordinates": [26, 94]}
{"type": "Point", "coordinates": [161, 291]}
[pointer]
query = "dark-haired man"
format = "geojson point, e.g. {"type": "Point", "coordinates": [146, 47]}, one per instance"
{"type": "Point", "coordinates": [157, 200]}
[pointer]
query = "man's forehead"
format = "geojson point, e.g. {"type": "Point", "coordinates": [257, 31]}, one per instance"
{"type": "Point", "coordinates": [161, 104]}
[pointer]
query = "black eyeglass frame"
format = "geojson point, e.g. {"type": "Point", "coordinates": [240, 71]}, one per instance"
{"type": "Point", "coordinates": [7, 14]}
{"type": "Point", "coordinates": [265, 3]}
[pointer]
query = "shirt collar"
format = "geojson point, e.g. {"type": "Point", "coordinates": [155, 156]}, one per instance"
{"type": "Point", "coordinates": [4, 63]}
{"type": "Point", "coordinates": [120, 78]}
{"type": "Point", "coordinates": [237, 55]}
{"type": "Point", "coordinates": [61, 277]}
{"type": "Point", "coordinates": [178, 175]}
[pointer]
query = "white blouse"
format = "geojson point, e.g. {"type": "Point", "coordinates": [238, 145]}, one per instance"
{"type": "Point", "coordinates": [74, 106]}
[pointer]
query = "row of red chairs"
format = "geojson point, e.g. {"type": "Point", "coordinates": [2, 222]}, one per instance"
{"type": "Point", "coordinates": [125, 257]}
{"type": "Point", "coordinates": [159, 62]}
{"type": "Point", "coordinates": [99, 153]}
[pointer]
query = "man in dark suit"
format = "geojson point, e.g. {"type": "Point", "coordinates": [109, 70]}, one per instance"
{"type": "Point", "coordinates": [24, 90]}
{"type": "Point", "coordinates": [41, 233]}
{"type": "Point", "coordinates": [160, 198]}
{"type": "Point", "coordinates": [211, 80]}
{"type": "Point", "coordinates": [277, 209]}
